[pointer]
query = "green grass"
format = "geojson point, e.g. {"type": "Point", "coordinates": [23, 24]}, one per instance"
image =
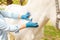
{"type": "Point", "coordinates": [51, 33]}
{"type": "Point", "coordinates": [15, 2]}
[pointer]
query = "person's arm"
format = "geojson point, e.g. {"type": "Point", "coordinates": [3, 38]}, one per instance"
{"type": "Point", "coordinates": [9, 14]}
{"type": "Point", "coordinates": [15, 28]}
{"type": "Point", "coordinates": [9, 28]}
{"type": "Point", "coordinates": [6, 27]}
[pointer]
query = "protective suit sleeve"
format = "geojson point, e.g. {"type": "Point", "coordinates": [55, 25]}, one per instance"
{"type": "Point", "coordinates": [8, 14]}
{"type": "Point", "coordinates": [7, 27]}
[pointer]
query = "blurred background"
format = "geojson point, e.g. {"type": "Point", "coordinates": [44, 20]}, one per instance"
{"type": "Point", "coordinates": [50, 32]}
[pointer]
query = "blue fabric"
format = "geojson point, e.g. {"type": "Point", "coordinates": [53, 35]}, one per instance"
{"type": "Point", "coordinates": [31, 24]}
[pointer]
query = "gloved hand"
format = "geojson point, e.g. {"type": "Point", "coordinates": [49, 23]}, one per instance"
{"type": "Point", "coordinates": [26, 16]}
{"type": "Point", "coordinates": [31, 24]}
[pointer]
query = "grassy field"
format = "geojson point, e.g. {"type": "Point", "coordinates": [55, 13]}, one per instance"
{"type": "Point", "coordinates": [51, 33]}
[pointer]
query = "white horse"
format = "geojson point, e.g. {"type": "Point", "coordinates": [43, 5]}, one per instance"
{"type": "Point", "coordinates": [41, 11]}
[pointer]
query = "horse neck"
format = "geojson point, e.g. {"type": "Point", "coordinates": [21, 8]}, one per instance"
{"type": "Point", "coordinates": [36, 7]}
{"type": "Point", "coordinates": [37, 3]}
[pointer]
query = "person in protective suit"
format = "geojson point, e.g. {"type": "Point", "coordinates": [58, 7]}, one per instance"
{"type": "Point", "coordinates": [5, 28]}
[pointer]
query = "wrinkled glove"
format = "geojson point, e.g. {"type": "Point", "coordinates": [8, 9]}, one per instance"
{"type": "Point", "coordinates": [31, 24]}
{"type": "Point", "coordinates": [26, 16]}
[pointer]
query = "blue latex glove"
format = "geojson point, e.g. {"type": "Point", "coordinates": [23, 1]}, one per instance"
{"type": "Point", "coordinates": [26, 16]}
{"type": "Point", "coordinates": [31, 24]}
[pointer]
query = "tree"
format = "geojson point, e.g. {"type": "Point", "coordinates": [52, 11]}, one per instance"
{"type": "Point", "coordinates": [58, 13]}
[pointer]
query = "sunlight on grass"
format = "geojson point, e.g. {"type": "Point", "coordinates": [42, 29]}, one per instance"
{"type": "Point", "coordinates": [51, 33]}
{"type": "Point", "coordinates": [15, 1]}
